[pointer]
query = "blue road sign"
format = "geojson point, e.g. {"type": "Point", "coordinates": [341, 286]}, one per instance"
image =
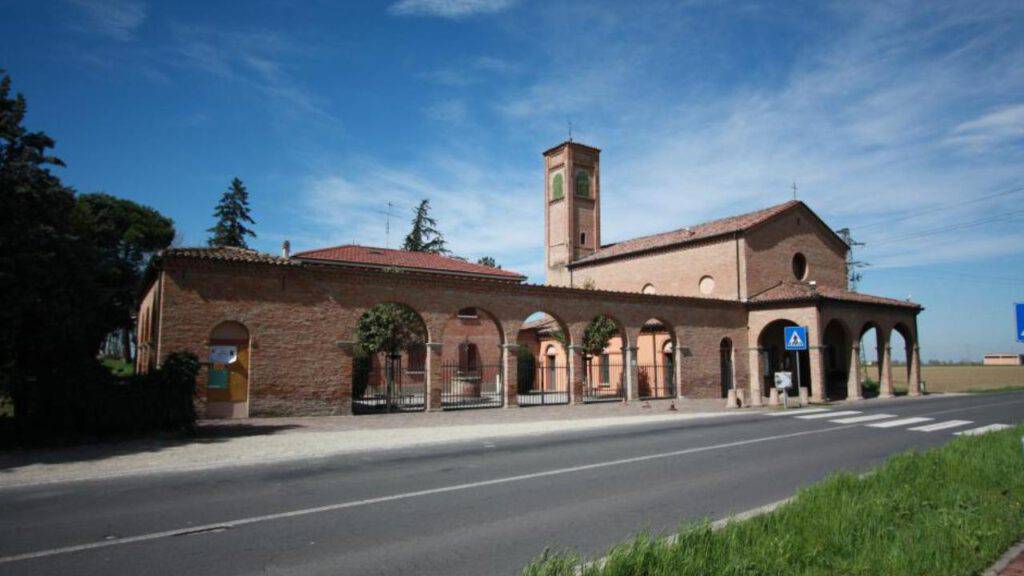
{"type": "Point", "coordinates": [1020, 321]}
{"type": "Point", "coordinates": [796, 337]}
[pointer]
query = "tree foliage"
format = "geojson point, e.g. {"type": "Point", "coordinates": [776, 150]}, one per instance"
{"type": "Point", "coordinates": [488, 261]}
{"type": "Point", "coordinates": [597, 334]}
{"type": "Point", "coordinates": [388, 328]}
{"type": "Point", "coordinates": [424, 236]}
{"type": "Point", "coordinates": [232, 215]}
{"type": "Point", "coordinates": [125, 234]}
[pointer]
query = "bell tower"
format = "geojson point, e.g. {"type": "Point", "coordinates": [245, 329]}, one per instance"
{"type": "Point", "coordinates": [572, 207]}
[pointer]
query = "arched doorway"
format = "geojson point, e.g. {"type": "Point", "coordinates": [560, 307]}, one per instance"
{"type": "Point", "coordinates": [603, 358]}
{"type": "Point", "coordinates": [726, 372]}
{"type": "Point", "coordinates": [542, 368]}
{"type": "Point", "coordinates": [901, 347]}
{"type": "Point", "coordinates": [837, 360]}
{"type": "Point", "coordinates": [870, 356]}
{"type": "Point", "coordinates": [775, 358]}
{"type": "Point", "coordinates": [655, 365]}
{"type": "Point", "coordinates": [389, 371]}
{"type": "Point", "coordinates": [472, 366]}
{"type": "Point", "coordinates": [227, 385]}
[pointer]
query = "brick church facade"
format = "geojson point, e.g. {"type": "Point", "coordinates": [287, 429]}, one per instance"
{"type": "Point", "coordinates": [695, 312]}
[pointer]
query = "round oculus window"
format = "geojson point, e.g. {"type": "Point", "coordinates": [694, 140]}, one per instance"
{"type": "Point", "coordinates": [799, 266]}
{"type": "Point", "coordinates": [706, 285]}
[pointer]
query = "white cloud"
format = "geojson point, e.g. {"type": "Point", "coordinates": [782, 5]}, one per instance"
{"type": "Point", "coordinates": [449, 112]}
{"type": "Point", "coordinates": [1005, 125]}
{"type": "Point", "coordinates": [118, 19]}
{"type": "Point", "coordinates": [449, 8]}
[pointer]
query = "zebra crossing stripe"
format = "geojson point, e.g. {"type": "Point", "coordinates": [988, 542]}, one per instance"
{"type": "Point", "coordinates": [900, 422]}
{"type": "Point", "coordinates": [865, 418]}
{"type": "Point", "coordinates": [798, 412]}
{"type": "Point", "coordinates": [830, 414]}
{"type": "Point", "coordinates": [983, 430]}
{"type": "Point", "coordinates": [942, 425]}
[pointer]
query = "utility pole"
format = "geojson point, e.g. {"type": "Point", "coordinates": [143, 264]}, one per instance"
{"type": "Point", "coordinates": [852, 265]}
{"type": "Point", "coordinates": [387, 226]}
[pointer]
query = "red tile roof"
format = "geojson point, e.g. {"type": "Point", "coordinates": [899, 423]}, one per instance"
{"type": "Point", "coordinates": [227, 254]}
{"type": "Point", "coordinates": [422, 261]}
{"type": "Point", "coordinates": [803, 291]}
{"type": "Point", "coordinates": [704, 231]}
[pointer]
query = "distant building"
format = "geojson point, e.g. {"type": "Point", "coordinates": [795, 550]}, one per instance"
{"type": "Point", "coordinates": [1003, 360]}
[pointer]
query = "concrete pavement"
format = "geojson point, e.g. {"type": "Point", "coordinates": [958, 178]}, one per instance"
{"type": "Point", "coordinates": [474, 507]}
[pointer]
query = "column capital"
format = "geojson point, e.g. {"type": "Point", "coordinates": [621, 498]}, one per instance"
{"type": "Point", "coordinates": [346, 345]}
{"type": "Point", "coordinates": [575, 347]}
{"type": "Point", "coordinates": [513, 348]}
{"type": "Point", "coordinates": [433, 346]}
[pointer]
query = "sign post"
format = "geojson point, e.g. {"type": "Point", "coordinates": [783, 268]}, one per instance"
{"type": "Point", "coordinates": [1020, 321]}
{"type": "Point", "coordinates": [796, 339]}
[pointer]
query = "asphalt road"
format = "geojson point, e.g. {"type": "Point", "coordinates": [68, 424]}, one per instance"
{"type": "Point", "coordinates": [469, 508]}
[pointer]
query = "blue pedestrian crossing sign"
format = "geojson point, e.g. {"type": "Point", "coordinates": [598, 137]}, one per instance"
{"type": "Point", "coordinates": [796, 337]}
{"type": "Point", "coordinates": [1020, 321]}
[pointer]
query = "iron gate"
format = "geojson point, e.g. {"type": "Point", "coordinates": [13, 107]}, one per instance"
{"type": "Point", "coordinates": [604, 381]}
{"type": "Point", "coordinates": [655, 381]}
{"type": "Point", "coordinates": [471, 387]}
{"type": "Point", "coordinates": [388, 384]}
{"type": "Point", "coordinates": [544, 385]}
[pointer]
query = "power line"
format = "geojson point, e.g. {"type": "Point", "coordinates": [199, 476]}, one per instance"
{"type": "Point", "coordinates": [948, 228]}
{"type": "Point", "coordinates": [919, 213]}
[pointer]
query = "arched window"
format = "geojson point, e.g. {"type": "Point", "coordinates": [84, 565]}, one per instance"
{"type": "Point", "coordinates": [557, 187]}
{"type": "Point", "coordinates": [582, 184]}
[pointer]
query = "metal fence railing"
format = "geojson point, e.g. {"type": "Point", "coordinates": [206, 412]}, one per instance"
{"type": "Point", "coordinates": [471, 387]}
{"type": "Point", "coordinates": [603, 381]}
{"type": "Point", "coordinates": [544, 385]}
{"type": "Point", "coordinates": [388, 385]}
{"type": "Point", "coordinates": [655, 381]}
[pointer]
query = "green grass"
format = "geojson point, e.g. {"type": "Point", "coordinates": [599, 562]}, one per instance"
{"type": "Point", "coordinates": [948, 511]}
{"type": "Point", "coordinates": [118, 367]}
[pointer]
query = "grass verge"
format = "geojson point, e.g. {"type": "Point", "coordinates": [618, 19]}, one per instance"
{"type": "Point", "coordinates": [947, 511]}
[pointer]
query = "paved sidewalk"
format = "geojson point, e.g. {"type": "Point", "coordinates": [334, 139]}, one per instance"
{"type": "Point", "coordinates": [1011, 564]}
{"type": "Point", "coordinates": [264, 440]}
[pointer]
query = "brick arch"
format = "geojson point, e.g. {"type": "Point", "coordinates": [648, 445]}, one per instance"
{"type": "Point", "coordinates": [430, 329]}
{"type": "Point", "coordinates": [491, 317]}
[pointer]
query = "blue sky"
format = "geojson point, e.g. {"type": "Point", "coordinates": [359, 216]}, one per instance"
{"type": "Point", "coordinates": [902, 120]}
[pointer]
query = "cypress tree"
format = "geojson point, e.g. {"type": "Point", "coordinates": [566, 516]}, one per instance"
{"type": "Point", "coordinates": [424, 236]}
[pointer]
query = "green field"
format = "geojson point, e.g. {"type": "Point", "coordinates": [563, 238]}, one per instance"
{"type": "Point", "coordinates": [947, 511]}
{"type": "Point", "coordinates": [957, 378]}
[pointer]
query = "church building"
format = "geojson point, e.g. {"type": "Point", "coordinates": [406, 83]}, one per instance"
{"type": "Point", "coordinates": [695, 312]}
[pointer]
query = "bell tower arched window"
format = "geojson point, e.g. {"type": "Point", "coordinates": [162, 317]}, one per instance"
{"type": "Point", "coordinates": [582, 184]}
{"type": "Point", "coordinates": [557, 187]}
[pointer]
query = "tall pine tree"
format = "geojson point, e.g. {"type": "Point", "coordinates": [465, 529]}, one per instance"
{"type": "Point", "coordinates": [232, 215]}
{"type": "Point", "coordinates": [424, 236]}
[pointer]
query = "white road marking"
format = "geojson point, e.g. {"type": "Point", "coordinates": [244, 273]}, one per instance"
{"type": "Point", "coordinates": [901, 422]}
{"type": "Point", "coordinates": [830, 415]}
{"type": "Point", "coordinates": [865, 418]}
{"type": "Point", "coordinates": [983, 430]}
{"type": "Point", "coordinates": [798, 411]}
{"type": "Point", "coordinates": [942, 425]}
{"type": "Point", "coordinates": [403, 496]}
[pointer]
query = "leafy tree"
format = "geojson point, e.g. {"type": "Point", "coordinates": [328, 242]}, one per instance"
{"type": "Point", "coordinates": [424, 236]}
{"type": "Point", "coordinates": [125, 234]}
{"type": "Point", "coordinates": [388, 328]}
{"type": "Point", "coordinates": [232, 215]}
{"type": "Point", "coordinates": [49, 320]}
{"type": "Point", "coordinates": [597, 334]}
{"type": "Point", "coordinates": [488, 261]}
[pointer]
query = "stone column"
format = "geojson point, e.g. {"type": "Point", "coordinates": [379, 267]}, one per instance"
{"type": "Point", "coordinates": [914, 381]}
{"type": "Point", "coordinates": [853, 384]}
{"type": "Point", "coordinates": [677, 370]}
{"type": "Point", "coordinates": [435, 375]}
{"type": "Point", "coordinates": [885, 375]}
{"type": "Point", "coordinates": [632, 372]}
{"type": "Point", "coordinates": [814, 355]}
{"type": "Point", "coordinates": [576, 374]}
{"type": "Point", "coordinates": [347, 371]}
{"type": "Point", "coordinates": [510, 374]}
{"type": "Point", "coordinates": [756, 378]}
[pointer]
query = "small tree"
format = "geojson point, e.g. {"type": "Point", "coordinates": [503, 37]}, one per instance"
{"type": "Point", "coordinates": [488, 261]}
{"type": "Point", "coordinates": [597, 334]}
{"type": "Point", "coordinates": [232, 215]}
{"type": "Point", "coordinates": [388, 329]}
{"type": "Point", "coordinates": [424, 236]}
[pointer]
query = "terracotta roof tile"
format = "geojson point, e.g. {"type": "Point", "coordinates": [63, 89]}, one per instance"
{"type": "Point", "coordinates": [227, 254]}
{"type": "Point", "coordinates": [686, 235]}
{"type": "Point", "coordinates": [802, 291]}
{"type": "Point", "coordinates": [385, 257]}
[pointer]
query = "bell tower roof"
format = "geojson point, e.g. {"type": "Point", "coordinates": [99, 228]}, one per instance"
{"type": "Point", "coordinates": [575, 145]}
